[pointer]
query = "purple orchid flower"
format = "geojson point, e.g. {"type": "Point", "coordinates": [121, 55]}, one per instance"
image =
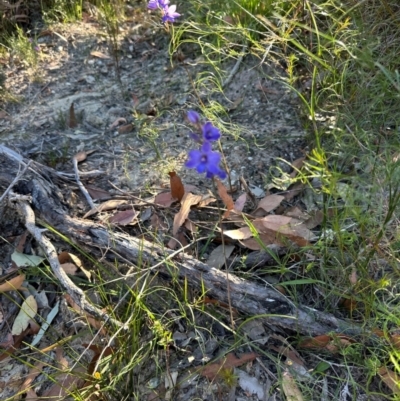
{"type": "Point", "coordinates": [210, 133]}
{"type": "Point", "coordinates": [154, 4]}
{"type": "Point", "coordinates": [206, 161]}
{"type": "Point", "coordinates": [169, 13]}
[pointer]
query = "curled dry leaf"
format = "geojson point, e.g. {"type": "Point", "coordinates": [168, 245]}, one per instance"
{"type": "Point", "coordinates": [230, 361]}
{"type": "Point", "coordinates": [188, 200]}
{"type": "Point", "coordinates": [177, 189]}
{"type": "Point", "coordinates": [108, 205]}
{"type": "Point", "coordinates": [118, 121]}
{"type": "Point", "coordinates": [82, 155]}
{"type": "Point", "coordinates": [226, 198]}
{"type": "Point", "coordinates": [12, 284]}
{"type": "Point", "coordinates": [124, 129]}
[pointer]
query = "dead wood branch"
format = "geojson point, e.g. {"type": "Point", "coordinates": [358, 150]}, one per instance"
{"type": "Point", "coordinates": [248, 297]}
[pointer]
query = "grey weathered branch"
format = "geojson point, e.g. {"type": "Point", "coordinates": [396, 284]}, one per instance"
{"type": "Point", "coordinates": [250, 298]}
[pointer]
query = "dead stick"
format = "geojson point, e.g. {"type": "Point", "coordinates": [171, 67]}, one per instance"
{"type": "Point", "coordinates": [76, 293]}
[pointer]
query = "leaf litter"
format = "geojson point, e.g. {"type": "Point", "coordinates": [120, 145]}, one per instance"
{"type": "Point", "coordinates": [195, 213]}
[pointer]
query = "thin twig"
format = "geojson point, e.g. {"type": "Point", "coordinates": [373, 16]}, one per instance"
{"type": "Point", "coordinates": [80, 185]}
{"type": "Point", "coordinates": [235, 67]}
{"type": "Point", "coordinates": [48, 248]}
{"type": "Point", "coordinates": [15, 180]}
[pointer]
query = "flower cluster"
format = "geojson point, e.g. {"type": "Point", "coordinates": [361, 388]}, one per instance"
{"type": "Point", "coordinates": [204, 160]}
{"type": "Point", "coordinates": [168, 12]}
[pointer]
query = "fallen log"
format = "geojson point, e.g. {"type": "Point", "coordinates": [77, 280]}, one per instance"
{"type": "Point", "coordinates": [250, 298]}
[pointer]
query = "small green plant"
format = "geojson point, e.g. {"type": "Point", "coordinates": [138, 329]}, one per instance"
{"type": "Point", "coordinates": [23, 48]}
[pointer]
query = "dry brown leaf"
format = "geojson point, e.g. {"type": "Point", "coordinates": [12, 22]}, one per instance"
{"type": "Point", "coordinates": [98, 193]}
{"type": "Point", "coordinates": [98, 350]}
{"type": "Point", "coordinates": [291, 354]}
{"type": "Point", "coordinates": [21, 241]}
{"type": "Point", "coordinates": [315, 220]}
{"type": "Point", "coordinates": [178, 241]}
{"type": "Point", "coordinates": [108, 205]}
{"type": "Point", "coordinates": [73, 122]}
{"type": "Point", "coordinates": [349, 304]}
{"type": "Point", "coordinates": [124, 129]}
{"type": "Point", "coordinates": [290, 388]}
{"type": "Point", "coordinates": [164, 199]}
{"type": "Point", "coordinates": [297, 165]}
{"type": "Point", "coordinates": [390, 378]}
{"type": "Point", "coordinates": [240, 202]}
{"type": "Point", "coordinates": [265, 239]}
{"type": "Point", "coordinates": [98, 54]}
{"type": "Point", "coordinates": [190, 226]}
{"type": "Point", "coordinates": [97, 324]}
{"type": "Point", "coordinates": [124, 217]}
{"type": "Point", "coordinates": [188, 200]}
{"type": "Point", "coordinates": [332, 343]}
{"type": "Point", "coordinates": [294, 190]}
{"type": "Point", "coordinates": [157, 222]}
{"type": "Point", "coordinates": [65, 384]}
{"type": "Point", "coordinates": [297, 213]}
{"type": "Point", "coordinates": [12, 284]}
{"type": "Point", "coordinates": [16, 344]}
{"type": "Point", "coordinates": [284, 226]}
{"type": "Point", "coordinates": [64, 257]}
{"type": "Point", "coordinates": [177, 189]}
{"type": "Point", "coordinates": [118, 121]}
{"type": "Point", "coordinates": [82, 155]}
{"type": "Point", "coordinates": [35, 371]}
{"type": "Point", "coordinates": [69, 258]}
{"type": "Point", "coordinates": [226, 198]}
{"type": "Point", "coordinates": [205, 201]}
{"type": "Point", "coordinates": [241, 233]}
{"type": "Point", "coordinates": [230, 361]}
{"type": "Point", "coordinates": [267, 204]}
{"type": "Point", "coordinates": [69, 268]}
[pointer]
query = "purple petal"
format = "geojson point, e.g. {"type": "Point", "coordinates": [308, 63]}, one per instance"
{"type": "Point", "coordinates": [210, 133]}
{"type": "Point", "coordinates": [193, 117]}
{"type": "Point", "coordinates": [194, 158]}
{"type": "Point", "coordinates": [206, 147]}
{"type": "Point", "coordinates": [213, 158]}
{"type": "Point", "coordinates": [153, 4]}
